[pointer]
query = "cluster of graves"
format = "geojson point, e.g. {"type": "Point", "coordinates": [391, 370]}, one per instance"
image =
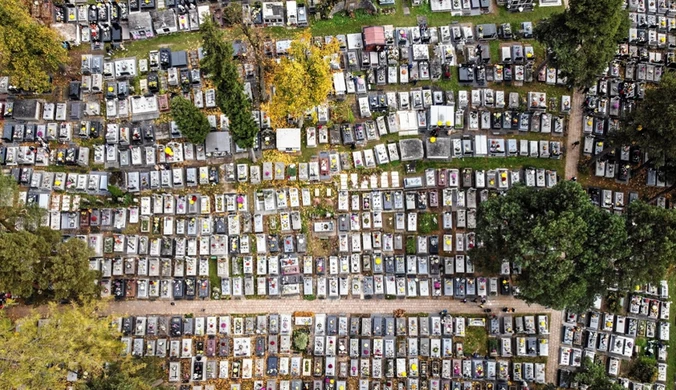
{"type": "Point", "coordinates": [648, 52]}
{"type": "Point", "coordinates": [415, 352]}
{"type": "Point", "coordinates": [612, 338]}
{"type": "Point", "coordinates": [421, 109]}
{"type": "Point", "coordinates": [257, 242]}
{"type": "Point", "coordinates": [388, 55]}
{"type": "Point", "coordinates": [111, 22]}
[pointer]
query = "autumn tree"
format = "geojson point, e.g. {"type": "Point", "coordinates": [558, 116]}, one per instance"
{"type": "Point", "coordinates": [29, 50]}
{"type": "Point", "coordinates": [301, 81]}
{"type": "Point", "coordinates": [38, 354]}
{"type": "Point", "coordinates": [218, 62]}
{"type": "Point", "coordinates": [192, 122]}
{"type": "Point", "coordinates": [583, 38]}
{"type": "Point", "coordinates": [564, 244]}
{"type": "Point", "coordinates": [40, 266]}
{"type": "Point", "coordinates": [139, 374]}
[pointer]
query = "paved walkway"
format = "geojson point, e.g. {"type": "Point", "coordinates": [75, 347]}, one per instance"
{"type": "Point", "coordinates": [574, 135]}
{"type": "Point", "coordinates": [348, 306]}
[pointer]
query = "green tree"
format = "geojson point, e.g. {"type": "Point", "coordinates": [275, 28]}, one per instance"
{"type": "Point", "coordinates": [644, 369]}
{"type": "Point", "coordinates": [19, 252]}
{"type": "Point", "coordinates": [652, 124]}
{"type": "Point", "coordinates": [12, 212]}
{"type": "Point", "coordinates": [595, 377]}
{"type": "Point", "coordinates": [38, 354]}
{"type": "Point", "coordinates": [563, 244]}
{"type": "Point", "coordinates": [29, 50]}
{"type": "Point", "coordinates": [583, 39]}
{"type": "Point", "coordinates": [192, 122]}
{"type": "Point", "coordinates": [41, 266]}
{"type": "Point", "coordinates": [651, 242]}
{"type": "Point", "coordinates": [301, 337]}
{"type": "Point", "coordinates": [66, 274]}
{"type": "Point", "coordinates": [218, 62]}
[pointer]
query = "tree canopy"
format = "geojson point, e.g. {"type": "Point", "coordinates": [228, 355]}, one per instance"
{"type": "Point", "coordinates": [230, 97]}
{"type": "Point", "coordinates": [562, 242]}
{"type": "Point", "coordinates": [644, 369]}
{"type": "Point", "coordinates": [38, 265]}
{"type": "Point", "coordinates": [583, 39]}
{"type": "Point", "coordinates": [29, 50]}
{"type": "Point", "coordinates": [595, 377]}
{"type": "Point", "coordinates": [652, 124]}
{"type": "Point", "coordinates": [38, 354]}
{"type": "Point", "coordinates": [12, 212]}
{"type": "Point", "coordinates": [301, 81]}
{"type": "Point", "coordinates": [651, 244]}
{"type": "Point", "coordinates": [139, 374]}
{"type": "Point", "coordinates": [569, 250]}
{"type": "Point", "coordinates": [192, 122]}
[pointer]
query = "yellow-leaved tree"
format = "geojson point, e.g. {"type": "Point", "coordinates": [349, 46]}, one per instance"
{"type": "Point", "coordinates": [29, 50]}
{"type": "Point", "coordinates": [38, 354]}
{"type": "Point", "coordinates": [302, 80]}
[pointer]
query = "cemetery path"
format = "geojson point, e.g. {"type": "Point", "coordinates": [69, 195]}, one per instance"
{"type": "Point", "coordinates": [348, 306]}
{"type": "Point", "coordinates": [574, 135]}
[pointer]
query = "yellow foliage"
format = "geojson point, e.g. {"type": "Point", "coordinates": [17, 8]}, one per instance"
{"type": "Point", "coordinates": [302, 80]}
{"type": "Point", "coordinates": [37, 356]}
{"type": "Point", "coordinates": [274, 156]}
{"type": "Point", "coordinates": [29, 51]}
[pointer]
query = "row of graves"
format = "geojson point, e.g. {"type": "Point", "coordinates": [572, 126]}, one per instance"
{"type": "Point", "coordinates": [420, 109]}
{"type": "Point", "coordinates": [415, 352]}
{"type": "Point", "coordinates": [611, 200]}
{"type": "Point", "coordinates": [641, 330]}
{"type": "Point", "coordinates": [115, 21]}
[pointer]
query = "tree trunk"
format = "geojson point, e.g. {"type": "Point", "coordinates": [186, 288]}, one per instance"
{"type": "Point", "coordinates": [643, 166]}
{"type": "Point", "coordinates": [663, 192]}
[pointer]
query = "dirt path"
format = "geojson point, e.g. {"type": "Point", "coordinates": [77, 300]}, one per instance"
{"type": "Point", "coordinates": [574, 135]}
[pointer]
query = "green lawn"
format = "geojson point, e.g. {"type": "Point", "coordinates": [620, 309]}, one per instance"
{"type": "Point", "coordinates": [476, 340]}
{"type": "Point", "coordinates": [214, 280]}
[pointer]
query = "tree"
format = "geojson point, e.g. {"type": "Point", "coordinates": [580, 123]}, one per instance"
{"type": "Point", "coordinates": [192, 122]}
{"type": "Point", "coordinates": [652, 124]}
{"type": "Point", "coordinates": [66, 274]}
{"type": "Point", "coordinates": [38, 355]}
{"type": "Point", "coordinates": [651, 241]}
{"type": "Point", "coordinates": [230, 97]}
{"type": "Point", "coordinates": [40, 266]}
{"type": "Point", "coordinates": [29, 50]}
{"type": "Point", "coordinates": [644, 369]}
{"type": "Point", "coordinates": [595, 377]}
{"type": "Point", "coordinates": [301, 338]}
{"type": "Point", "coordinates": [583, 39]}
{"type": "Point", "coordinates": [141, 374]}
{"type": "Point", "coordinates": [13, 213]}
{"type": "Point", "coordinates": [301, 81]}
{"type": "Point", "coordinates": [233, 14]}
{"type": "Point", "coordinates": [564, 245]}
{"type": "Point", "coordinates": [19, 252]}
